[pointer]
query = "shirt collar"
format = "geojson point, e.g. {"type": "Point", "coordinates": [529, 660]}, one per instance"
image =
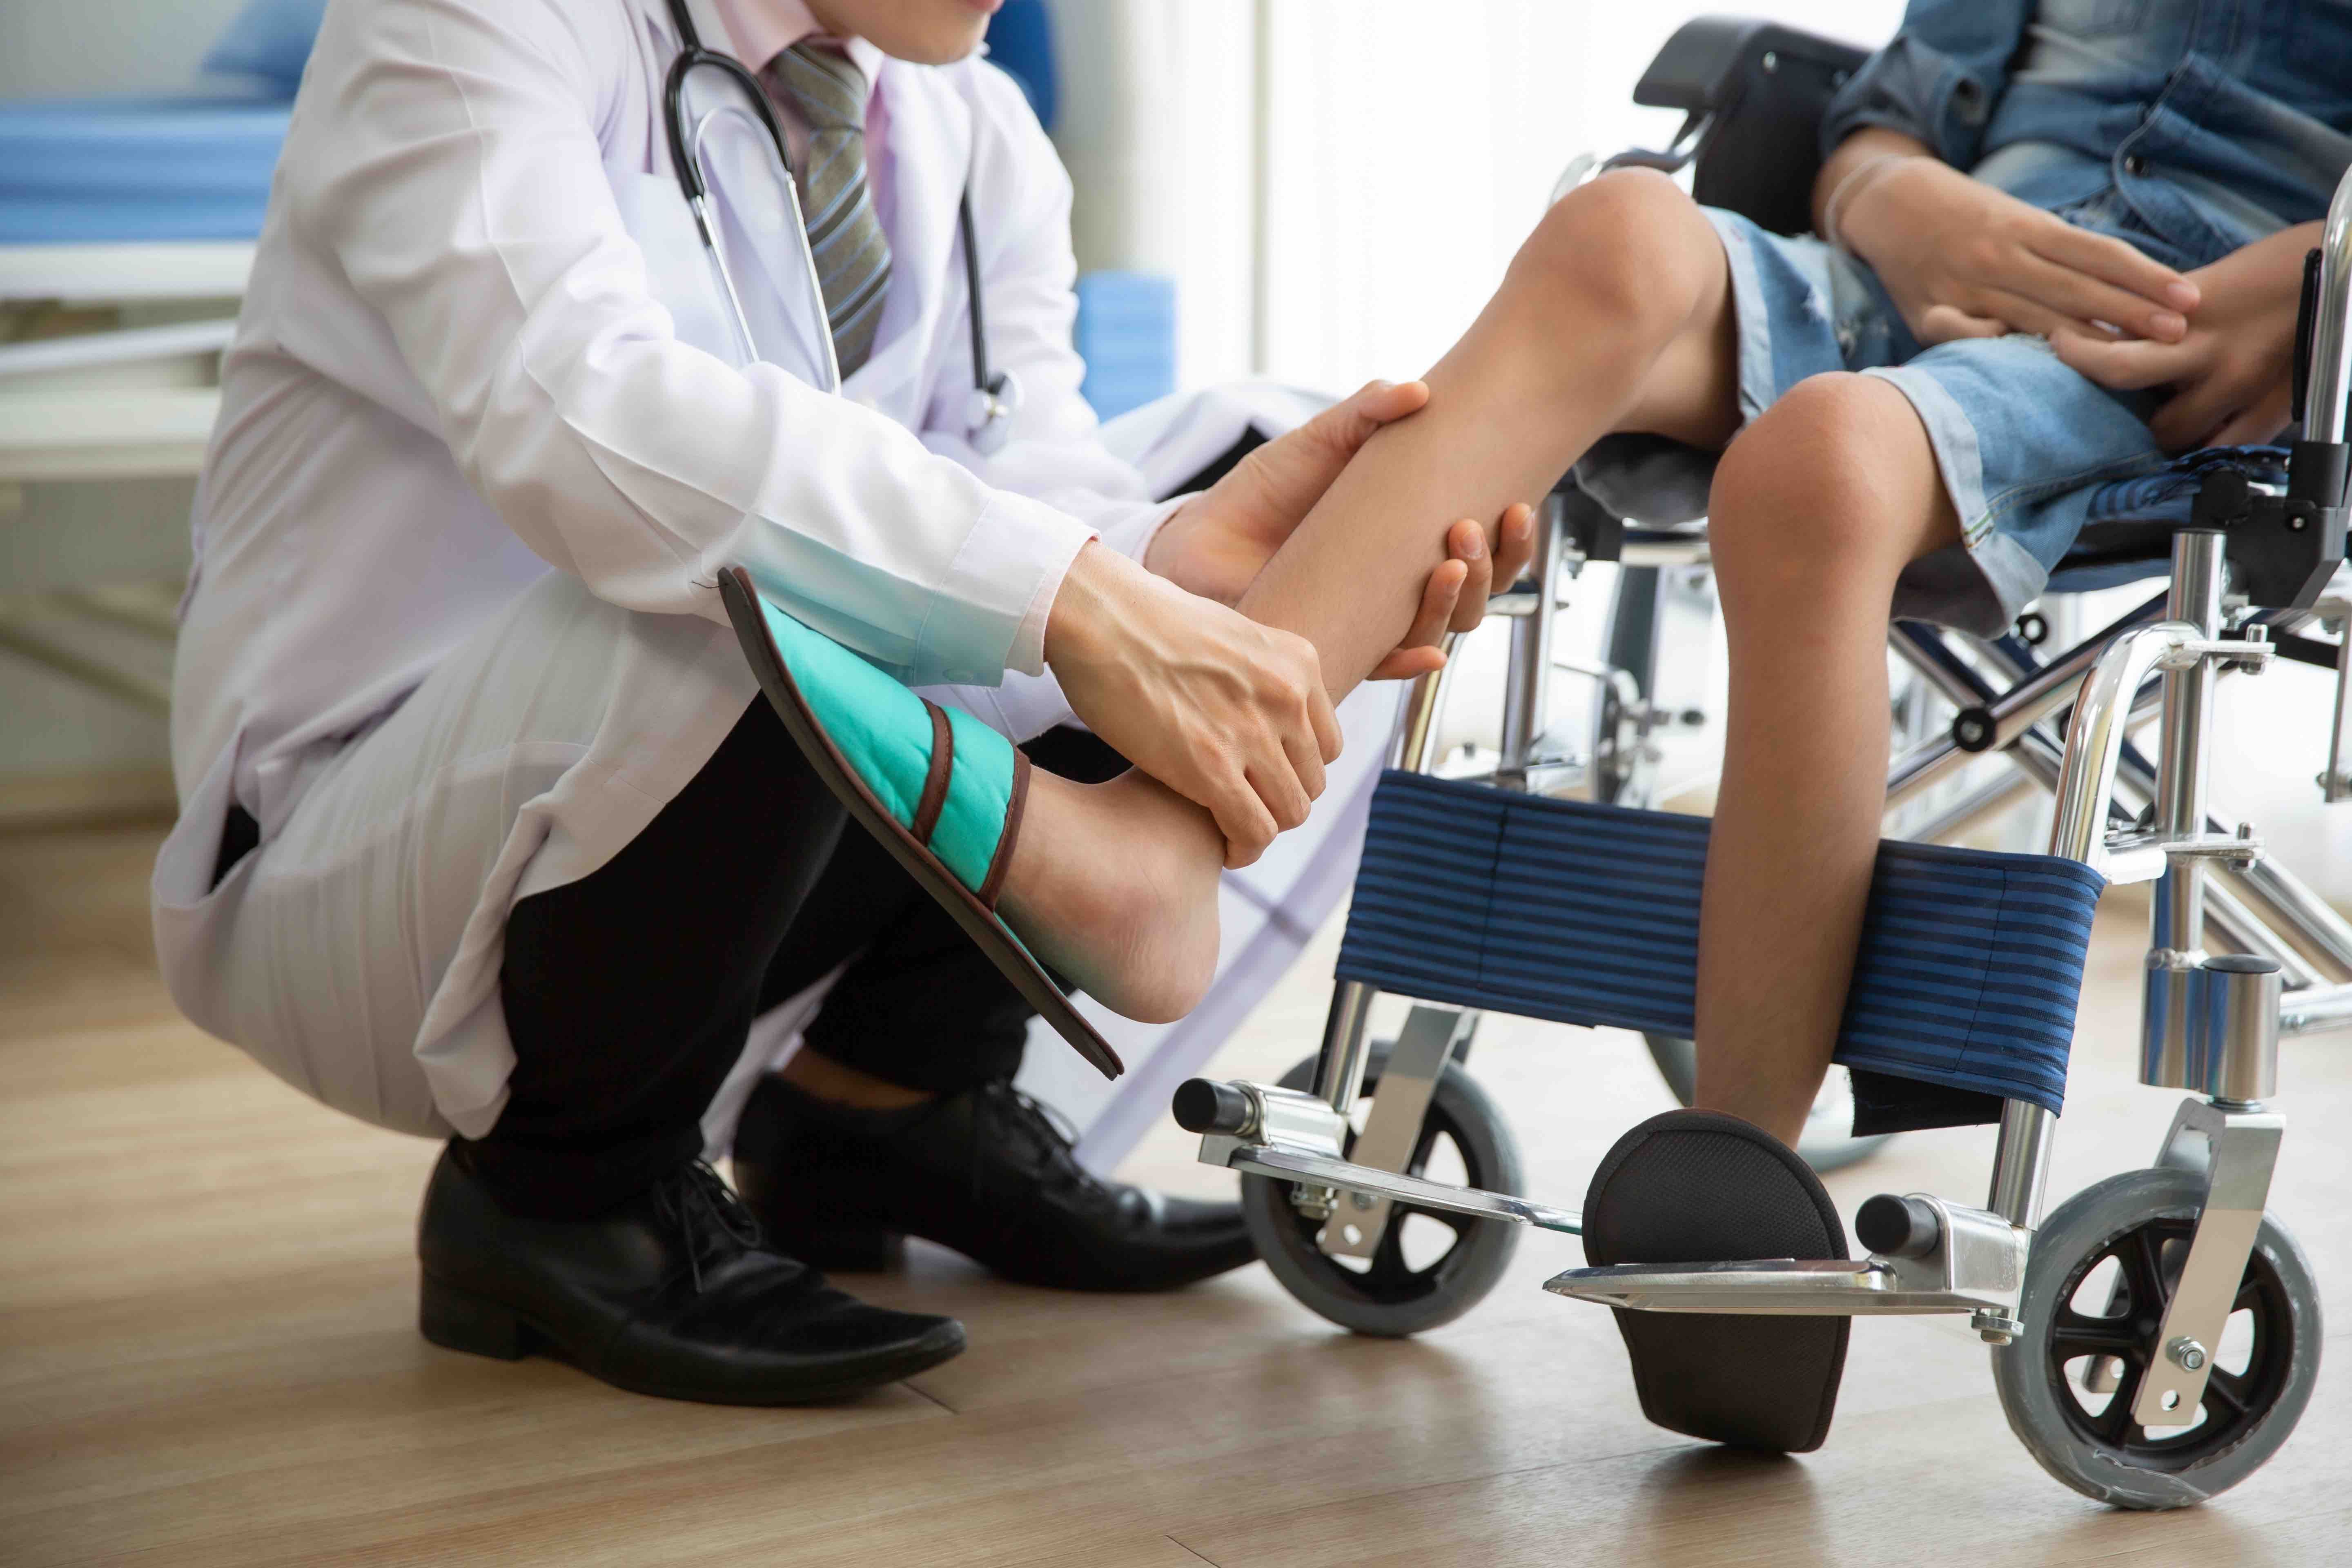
{"type": "Point", "coordinates": [760, 30]}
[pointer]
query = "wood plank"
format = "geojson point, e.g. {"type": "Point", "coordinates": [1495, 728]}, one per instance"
{"type": "Point", "coordinates": [1930, 1484]}
{"type": "Point", "coordinates": [207, 1352]}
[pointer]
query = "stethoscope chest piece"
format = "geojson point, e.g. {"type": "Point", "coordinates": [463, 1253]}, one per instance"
{"type": "Point", "coordinates": [988, 412]}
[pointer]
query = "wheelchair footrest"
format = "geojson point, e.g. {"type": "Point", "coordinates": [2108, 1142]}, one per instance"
{"type": "Point", "coordinates": [1965, 983]}
{"type": "Point", "coordinates": [1780, 1286]}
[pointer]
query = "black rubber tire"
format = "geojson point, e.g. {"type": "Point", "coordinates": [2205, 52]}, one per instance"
{"type": "Point", "coordinates": [1390, 1300]}
{"type": "Point", "coordinates": [2040, 1399]}
{"type": "Point", "coordinates": [1828, 1144]}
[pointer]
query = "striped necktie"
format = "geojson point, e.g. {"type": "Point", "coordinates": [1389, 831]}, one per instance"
{"type": "Point", "coordinates": [826, 89]}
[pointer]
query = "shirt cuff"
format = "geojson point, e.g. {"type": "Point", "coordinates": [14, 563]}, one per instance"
{"type": "Point", "coordinates": [1027, 654]}
{"type": "Point", "coordinates": [989, 606]}
{"type": "Point", "coordinates": [1131, 534]}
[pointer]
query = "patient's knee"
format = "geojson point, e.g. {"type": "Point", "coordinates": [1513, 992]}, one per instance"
{"type": "Point", "coordinates": [1631, 244]}
{"type": "Point", "coordinates": [1815, 488]}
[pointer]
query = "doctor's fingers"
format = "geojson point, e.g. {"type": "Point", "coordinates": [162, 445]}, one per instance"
{"type": "Point", "coordinates": [1350, 423]}
{"type": "Point", "coordinates": [1515, 547]}
{"type": "Point", "coordinates": [1336, 434]}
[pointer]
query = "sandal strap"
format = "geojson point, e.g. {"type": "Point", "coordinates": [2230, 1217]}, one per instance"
{"type": "Point", "coordinates": [992, 884]}
{"type": "Point", "coordinates": [935, 782]}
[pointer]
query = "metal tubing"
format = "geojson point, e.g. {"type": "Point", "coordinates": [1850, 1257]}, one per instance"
{"type": "Point", "coordinates": [1527, 683]}
{"type": "Point", "coordinates": [2246, 930]}
{"type": "Point", "coordinates": [2324, 415]}
{"type": "Point", "coordinates": [2029, 701]}
{"type": "Point", "coordinates": [2335, 775]}
{"type": "Point", "coordinates": [2174, 990]}
{"type": "Point", "coordinates": [2055, 685]}
{"type": "Point", "coordinates": [2284, 897]}
{"type": "Point", "coordinates": [2094, 740]}
{"type": "Point", "coordinates": [1392, 1130]}
{"type": "Point", "coordinates": [2319, 1008]}
{"type": "Point", "coordinates": [2280, 901]}
{"type": "Point", "coordinates": [2021, 1163]}
{"type": "Point", "coordinates": [1416, 742]}
{"type": "Point", "coordinates": [2234, 1040]}
{"type": "Point", "coordinates": [2181, 764]}
{"type": "Point", "coordinates": [2032, 748]}
{"type": "Point", "coordinates": [1975, 806]}
{"type": "Point", "coordinates": [1339, 1069]}
{"type": "Point", "coordinates": [1924, 765]}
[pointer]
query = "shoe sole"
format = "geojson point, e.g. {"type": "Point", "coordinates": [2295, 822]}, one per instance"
{"type": "Point", "coordinates": [885, 1251]}
{"type": "Point", "coordinates": [983, 925]}
{"type": "Point", "coordinates": [460, 1319]}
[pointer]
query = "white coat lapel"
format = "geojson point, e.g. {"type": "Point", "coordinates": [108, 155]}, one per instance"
{"type": "Point", "coordinates": [930, 156]}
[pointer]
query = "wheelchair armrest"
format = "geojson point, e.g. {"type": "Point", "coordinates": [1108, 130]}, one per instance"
{"type": "Point", "coordinates": [1754, 91]}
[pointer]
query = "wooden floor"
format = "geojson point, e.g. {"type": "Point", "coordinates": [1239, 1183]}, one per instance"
{"type": "Point", "coordinates": [207, 1352]}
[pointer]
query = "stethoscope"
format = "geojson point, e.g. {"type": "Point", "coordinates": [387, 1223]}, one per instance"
{"type": "Point", "coordinates": [995, 396]}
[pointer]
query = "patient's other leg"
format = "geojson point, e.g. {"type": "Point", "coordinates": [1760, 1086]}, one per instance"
{"type": "Point", "coordinates": [1615, 315]}
{"type": "Point", "coordinates": [1818, 506]}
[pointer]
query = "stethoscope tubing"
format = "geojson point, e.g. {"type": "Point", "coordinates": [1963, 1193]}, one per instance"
{"type": "Point", "coordinates": [990, 386]}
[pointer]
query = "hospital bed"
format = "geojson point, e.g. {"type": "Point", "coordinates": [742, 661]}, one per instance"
{"type": "Point", "coordinates": [126, 229]}
{"type": "Point", "coordinates": [2156, 1335]}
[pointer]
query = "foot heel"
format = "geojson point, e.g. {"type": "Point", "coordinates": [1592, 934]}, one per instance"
{"type": "Point", "coordinates": [460, 1320]}
{"type": "Point", "coordinates": [843, 1250]}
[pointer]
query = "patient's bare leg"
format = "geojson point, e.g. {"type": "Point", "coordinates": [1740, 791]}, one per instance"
{"type": "Point", "coordinates": [1615, 316]}
{"type": "Point", "coordinates": [1817, 508]}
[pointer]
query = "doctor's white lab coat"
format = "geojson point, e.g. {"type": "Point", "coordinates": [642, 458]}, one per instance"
{"type": "Point", "coordinates": [482, 361]}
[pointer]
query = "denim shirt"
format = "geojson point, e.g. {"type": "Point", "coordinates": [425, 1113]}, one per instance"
{"type": "Point", "coordinates": [2188, 127]}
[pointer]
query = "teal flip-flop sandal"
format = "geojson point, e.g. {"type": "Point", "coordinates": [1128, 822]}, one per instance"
{"type": "Point", "coordinates": [942, 790]}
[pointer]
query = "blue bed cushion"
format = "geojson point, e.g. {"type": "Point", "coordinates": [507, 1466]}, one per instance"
{"type": "Point", "coordinates": [81, 170]}
{"type": "Point", "coordinates": [1966, 980]}
{"type": "Point", "coordinates": [268, 44]}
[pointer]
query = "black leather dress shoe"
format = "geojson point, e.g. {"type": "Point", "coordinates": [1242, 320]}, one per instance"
{"type": "Point", "coordinates": [670, 1294]}
{"type": "Point", "coordinates": [987, 1173]}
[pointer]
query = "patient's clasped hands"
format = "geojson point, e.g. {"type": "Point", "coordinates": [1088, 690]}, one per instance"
{"type": "Point", "coordinates": [1963, 259]}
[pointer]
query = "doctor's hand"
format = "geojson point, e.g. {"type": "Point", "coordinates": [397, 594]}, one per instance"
{"type": "Point", "coordinates": [1230, 714]}
{"type": "Point", "coordinates": [1218, 542]}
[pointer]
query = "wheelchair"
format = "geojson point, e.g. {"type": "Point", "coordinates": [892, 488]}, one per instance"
{"type": "Point", "coordinates": [1585, 913]}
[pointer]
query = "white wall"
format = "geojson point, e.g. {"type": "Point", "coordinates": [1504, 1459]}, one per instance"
{"type": "Point", "coordinates": [1408, 148]}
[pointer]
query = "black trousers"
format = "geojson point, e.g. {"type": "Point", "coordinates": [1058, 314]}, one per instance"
{"type": "Point", "coordinates": [629, 993]}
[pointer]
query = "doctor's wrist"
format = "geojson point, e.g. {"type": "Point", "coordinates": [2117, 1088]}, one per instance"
{"type": "Point", "coordinates": [1086, 606]}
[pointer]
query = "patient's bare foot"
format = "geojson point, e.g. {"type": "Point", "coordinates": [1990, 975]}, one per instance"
{"type": "Point", "coordinates": [1114, 886]}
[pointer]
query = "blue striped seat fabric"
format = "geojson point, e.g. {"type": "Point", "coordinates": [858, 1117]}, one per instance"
{"type": "Point", "coordinates": [1966, 979]}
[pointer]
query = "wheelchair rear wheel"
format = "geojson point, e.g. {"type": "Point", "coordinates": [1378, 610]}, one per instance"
{"type": "Point", "coordinates": [2101, 1275]}
{"type": "Point", "coordinates": [1430, 1267]}
{"type": "Point", "coordinates": [1828, 1143]}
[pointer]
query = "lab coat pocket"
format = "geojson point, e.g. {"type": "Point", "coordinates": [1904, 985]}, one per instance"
{"type": "Point", "coordinates": [678, 265]}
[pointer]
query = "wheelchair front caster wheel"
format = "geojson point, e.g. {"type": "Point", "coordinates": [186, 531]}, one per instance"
{"type": "Point", "coordinates": [1430, 1267]}
{"type": "Point", "coordinates": [2097, 1286]}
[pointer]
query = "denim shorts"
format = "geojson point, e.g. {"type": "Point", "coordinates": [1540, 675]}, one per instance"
{"type": "Point", "coordinates": [2020, 440]}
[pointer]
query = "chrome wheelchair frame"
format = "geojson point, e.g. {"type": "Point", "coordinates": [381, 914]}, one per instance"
{"type": "Point", "coordinates": [2211, 1022]}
